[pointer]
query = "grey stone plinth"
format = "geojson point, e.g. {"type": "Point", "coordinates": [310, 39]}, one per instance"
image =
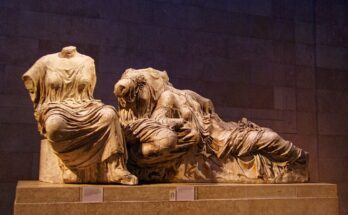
{"type": "Point", "coordinates": [33, 197]}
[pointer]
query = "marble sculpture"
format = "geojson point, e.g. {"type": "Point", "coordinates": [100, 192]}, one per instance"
{"type": "Point", "coordinates": [159, 133]}
{"type": "Point", "coordinates": [175, 136]}
{"type": "Point", "coordinates": [84, 133]}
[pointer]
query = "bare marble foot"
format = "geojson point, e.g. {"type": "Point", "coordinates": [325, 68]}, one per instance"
{"type": "Point", "coordinates": [123, 176]}
{"type": "Point", "coordinates": [118, 173]}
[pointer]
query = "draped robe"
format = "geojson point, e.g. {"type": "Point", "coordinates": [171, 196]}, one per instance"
{"type": "Point", "coordinates": [62, 90]}
{"type": "Point", "coordinates": [208, 149]}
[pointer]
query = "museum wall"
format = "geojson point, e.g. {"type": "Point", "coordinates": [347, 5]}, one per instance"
{"type": "Point", "coordinates": [283, 64]}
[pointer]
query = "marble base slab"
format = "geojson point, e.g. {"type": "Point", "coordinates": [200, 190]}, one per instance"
{"type": "Point", "coordinates": [34, 197]}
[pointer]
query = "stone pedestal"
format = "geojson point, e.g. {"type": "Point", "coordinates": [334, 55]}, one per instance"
{"type": "Point", "coordinates": [33, 197]}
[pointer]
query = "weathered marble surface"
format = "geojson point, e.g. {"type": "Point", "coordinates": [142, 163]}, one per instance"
{"type": "Point", "coordinates": [306, 199]}
{"type": "Point", "coordinates": [169, 135]}
{"type": "Point", "coordinates": [175, 136]}
{"type": "Point", "coordinates": [82, 132]}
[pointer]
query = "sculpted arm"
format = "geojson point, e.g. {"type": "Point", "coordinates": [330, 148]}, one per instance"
{"type": "Point", "coordinates": [89, 78]}
{"type": "Point", "coordinates": [206, 104]}
{"type": "Point", "coordinates": [32, 79]}
{"type": "Point", "coordinates": [92, 75]}
{"type": "Point", "coordinates": [164, 111]}
{"type": "Point", "coordinates": [30, 86]}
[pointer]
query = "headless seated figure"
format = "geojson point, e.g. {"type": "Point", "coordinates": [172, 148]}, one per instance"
{"type": "Point", "coordinates": [84, 133]}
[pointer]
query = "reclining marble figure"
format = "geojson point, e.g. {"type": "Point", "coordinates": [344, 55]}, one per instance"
{"type": "Point", "coordinates": [83, 132]}
{"type": "Point", "coordinates": [175, 136]}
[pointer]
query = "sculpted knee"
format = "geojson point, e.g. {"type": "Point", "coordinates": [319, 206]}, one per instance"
{"type": "Point", "coordinates": [53, 126]}
{"type": "Point", "coordinates": [168, 141]}
{"type": "Point", "coordinates": [164, 140]}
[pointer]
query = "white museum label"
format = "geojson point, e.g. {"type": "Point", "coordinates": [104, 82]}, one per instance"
{"type": "Point", "coordinates": [182, 193]}
{"type": "Point", "coordinates": [92, 194]}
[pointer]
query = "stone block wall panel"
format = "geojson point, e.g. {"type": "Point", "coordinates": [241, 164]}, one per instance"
{"type": "Point", "coordinates": [281, 63]}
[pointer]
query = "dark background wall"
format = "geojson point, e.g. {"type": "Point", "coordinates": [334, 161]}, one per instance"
{"type": "Point", "coordinates": [281, 63]}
